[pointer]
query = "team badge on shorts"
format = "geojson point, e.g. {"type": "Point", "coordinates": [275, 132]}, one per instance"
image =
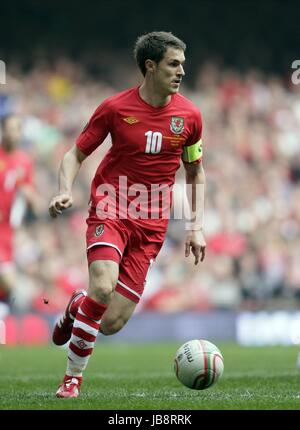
{"type": "Point", "coordinates": [99, 230]}
{"type": "Point", "coordinates": [177, 124]}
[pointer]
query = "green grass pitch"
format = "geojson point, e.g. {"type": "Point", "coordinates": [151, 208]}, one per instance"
{"type": "Point", "coordinates": [137, 377]}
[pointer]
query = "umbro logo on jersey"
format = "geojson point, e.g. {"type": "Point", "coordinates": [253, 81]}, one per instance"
{"type": "Point", "coordinates": [131, 120]}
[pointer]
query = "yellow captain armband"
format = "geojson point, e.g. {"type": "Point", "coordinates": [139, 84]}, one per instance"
{"type": "Point", "coordinates": [193, 152]}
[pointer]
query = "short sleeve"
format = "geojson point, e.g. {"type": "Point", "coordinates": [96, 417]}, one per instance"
{"type": "Point", "coordinates": [95, 130]}
{"type": "Point", "coordinates": [192, 150]}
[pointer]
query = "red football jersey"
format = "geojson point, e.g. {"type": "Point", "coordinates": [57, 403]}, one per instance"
{"type": "Point", "coordinates": [15, 171]}
{"type": "Point", "coordinates": [147, 146]}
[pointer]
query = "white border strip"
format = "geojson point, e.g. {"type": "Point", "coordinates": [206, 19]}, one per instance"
{"type": "Point", "coordinates": [129, 289]}
{"type": "Point", "coordinates": [104, 243]}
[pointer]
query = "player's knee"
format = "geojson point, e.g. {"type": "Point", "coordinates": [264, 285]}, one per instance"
{"type": "Point", "coordinates": [112, 326]}
{"type": "Point", "coordinates": [101, 292]}
{"type": "Point", "coordinates": [103, 278]}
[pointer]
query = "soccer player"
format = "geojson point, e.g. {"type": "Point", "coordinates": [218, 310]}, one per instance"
{"type": "Point", "coordinates": [152, 128]}
{"type": "Point", "coordinates": [15, 178]}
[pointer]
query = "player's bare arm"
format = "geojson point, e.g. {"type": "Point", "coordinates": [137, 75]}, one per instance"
{"type": "Point", "coordinates": [195, 241]}
{"type": "Point", "coordinates": [68, 171]}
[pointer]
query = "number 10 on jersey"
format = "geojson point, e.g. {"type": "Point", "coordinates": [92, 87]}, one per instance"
{"type": "Point", "coordinates": [154, 141]}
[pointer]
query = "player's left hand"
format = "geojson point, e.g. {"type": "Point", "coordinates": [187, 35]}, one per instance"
{"type": "Point", "coordinates": [195, 241]}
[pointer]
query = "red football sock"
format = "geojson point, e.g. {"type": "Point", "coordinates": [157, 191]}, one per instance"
{"type": "Point", "coordinates": [84, 334]}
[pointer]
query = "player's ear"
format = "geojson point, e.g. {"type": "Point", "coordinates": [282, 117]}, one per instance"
{"type": "Point", "coordinates": [150, 66]}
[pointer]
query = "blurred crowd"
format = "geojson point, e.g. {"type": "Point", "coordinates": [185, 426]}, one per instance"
{"type": "Point", "coordinates": [251, 135]}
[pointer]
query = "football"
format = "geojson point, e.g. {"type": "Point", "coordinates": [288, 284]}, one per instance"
{"type": "Point", "coordinates": [198, 364]}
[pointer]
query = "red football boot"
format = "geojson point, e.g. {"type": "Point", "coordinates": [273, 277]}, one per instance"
{"type": "Point", "coordinates": [63, 328]}
{"type": "Point", "coordinates": [70, 388]}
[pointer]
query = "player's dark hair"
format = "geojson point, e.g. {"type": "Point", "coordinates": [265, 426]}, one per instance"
{"type": "Point", "coordinates": [152, 46]}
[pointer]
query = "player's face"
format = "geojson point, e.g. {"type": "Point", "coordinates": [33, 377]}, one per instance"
{"type": "Point", "coordinates": [11, 133]}
{"type": "Point", "coordinates": [169, 71]}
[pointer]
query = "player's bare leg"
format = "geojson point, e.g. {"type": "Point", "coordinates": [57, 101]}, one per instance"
{"type": "Point", "coordinates": [103, 276]}
{"type": "Point", "coordinates": [117, 314]}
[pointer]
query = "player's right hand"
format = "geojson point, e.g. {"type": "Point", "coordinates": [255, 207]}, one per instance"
{"type": "Point", "coordinates": [59, 203]}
